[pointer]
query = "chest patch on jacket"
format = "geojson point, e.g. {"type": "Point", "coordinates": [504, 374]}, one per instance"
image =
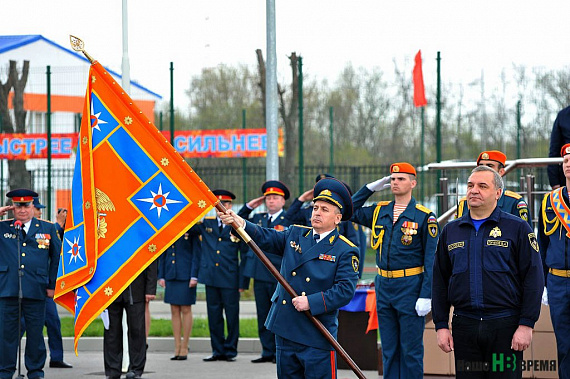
{"type": "Point", "coordinates": [498, 243]}
{"type": "Point", "coordinates": [327, 257]}
{"type": "Point", "coordinates": [455, 245]}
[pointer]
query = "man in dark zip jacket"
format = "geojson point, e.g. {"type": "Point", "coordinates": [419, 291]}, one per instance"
{"type": "Point", "coordinates": [488, 267]}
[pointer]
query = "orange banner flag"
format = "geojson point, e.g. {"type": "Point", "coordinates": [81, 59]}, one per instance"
{"type": "Point", "coordinates": [132, 196]}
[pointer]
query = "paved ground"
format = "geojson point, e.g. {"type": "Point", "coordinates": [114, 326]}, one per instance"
{"type": "Point", "coordinates": [90, 365]}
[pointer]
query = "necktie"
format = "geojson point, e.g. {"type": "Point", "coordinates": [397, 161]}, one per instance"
{"type": "Point", "coordinates": [221, 227]}
{"type": "Point", "coordinates": [24, 233]}
{"type": "Point", "coordinates": [270, 220]}
{"type": "Point", "coordinates": [316, 238]}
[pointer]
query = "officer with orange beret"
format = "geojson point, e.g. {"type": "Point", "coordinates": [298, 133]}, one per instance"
{"type": "Point", "coordinates": [510, 202]}
{"type": "Point", "coordinates": [404, 233]}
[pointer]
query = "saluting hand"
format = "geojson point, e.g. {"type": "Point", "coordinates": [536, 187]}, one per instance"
{"type": "Point", "coordinates": [306, 196]}
{"type": "Point", "coordinates": [4, 210]}
{"type": "Point", "coordinates": [256, 202]}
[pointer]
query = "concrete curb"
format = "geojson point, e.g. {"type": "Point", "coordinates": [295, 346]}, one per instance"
{"type": "Point", "coordinates": [163, 344]}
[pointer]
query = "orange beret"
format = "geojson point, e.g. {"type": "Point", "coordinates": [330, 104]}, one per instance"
{"type": "Point", "coordinates": [565, 150]}
{"type": "Point", "coordinates": [402, 168]}
{"type": "Point", "coordinates": [492, 155]}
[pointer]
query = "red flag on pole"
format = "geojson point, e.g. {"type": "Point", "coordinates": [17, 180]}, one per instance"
{"type": "Point", "coordinates": [418, 77]}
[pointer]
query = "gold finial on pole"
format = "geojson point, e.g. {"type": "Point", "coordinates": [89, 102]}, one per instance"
{"type": "Point", "coordinates": [78, 45]}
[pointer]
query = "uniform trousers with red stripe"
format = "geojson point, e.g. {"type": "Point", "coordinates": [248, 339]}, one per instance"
{"type": "Point", "coordinates": [295, 360]}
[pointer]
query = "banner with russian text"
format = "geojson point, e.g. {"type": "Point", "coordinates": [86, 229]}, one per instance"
{"type": "Point", "coordinates": [132, 197]}
{"type": "Point", "coordinates": [218, 143]}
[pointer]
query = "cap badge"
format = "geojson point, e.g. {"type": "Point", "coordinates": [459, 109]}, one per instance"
{"type": "Point", "coordinates": [396, 169]}
{"type": "Point", "coordinates": [485, 156]}
{"type": "Point", "coordinates": [567, 150]}
{"type": "Point", "coordinates": [325, 193]}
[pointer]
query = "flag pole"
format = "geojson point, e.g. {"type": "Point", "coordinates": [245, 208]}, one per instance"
{"type": "Point", "coordinates": [267, 263]}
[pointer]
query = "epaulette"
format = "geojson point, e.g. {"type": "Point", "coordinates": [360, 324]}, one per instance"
{"type": "Point", "coordinates": [346, 240]}
{"type": "Point", "coordinates": [302, 226]}
{"type": "Point", "coordinates": [48, 221]}
{"type": "Point", "coordinates": [210, 217]}
{"type": "Point", "coordinates": [423, 209]}
{"type": "Point", "coordinates": [512, 194]}
{"type": "Point", "coordinates": [7, 220]}
{"type": "Point", "coordinates": [382, 203]}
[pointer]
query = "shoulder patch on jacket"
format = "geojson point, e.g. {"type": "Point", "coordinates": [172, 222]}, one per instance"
{"type": "Point", "coordinates": [423, 209]}
{"type": "Point", "coordinates": [303, 226]}
{"type": "Point", "coordinates": [512, 194]}
{"type": "Point", "coordinates": [346, 240]}
{"type": "Point", "coordinates": [210, 217]}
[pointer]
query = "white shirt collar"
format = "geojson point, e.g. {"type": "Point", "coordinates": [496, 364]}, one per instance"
{"type": "Point", "coordinates": [322, 235]}
{"type": "Point", "coordinates": [275, 215]}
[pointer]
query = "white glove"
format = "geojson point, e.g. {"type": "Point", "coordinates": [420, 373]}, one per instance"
{"type": "Point", "coordinates": [545, 297]}
{"type": "Point", "coordinates": [423, 306]}
{"type": "Point", "coordinates": [379, 184]}
{"type": "Point", "coordinates": [105, 318]}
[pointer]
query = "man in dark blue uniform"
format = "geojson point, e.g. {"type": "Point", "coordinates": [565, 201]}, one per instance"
{"type": "Point", "coordinates": [297, 214]}
{"type": "Point", "coordinates": [219, 270]}
{"type": "Point", "coordinates": [553, 232]}
{"type": "Point", "coordinates": [322, 267]}
{"type": "Point", "coordinates": [559, 136]}
{"type": "Point", "coordinates": [510, 202]}
{"type": "Point", "coordinates": [53, 324]}
{"type": "Point", "coordinates": [487, 266]}
{"type": "Point", "coordinates": [38, 247]}
{"type": "Point", "coordinates": [405, 235]}
{"type": "Point", "coordinates": [274, 195]}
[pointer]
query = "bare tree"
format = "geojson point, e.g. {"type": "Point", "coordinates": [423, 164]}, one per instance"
{"type": "Point", "coordinates": [19, 177]}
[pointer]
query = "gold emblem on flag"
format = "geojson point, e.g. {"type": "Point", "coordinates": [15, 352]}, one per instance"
{"type": "Point", "coordinates": [62, 285]}
{"type": "Point", "coordinates": [108, 291]}
{"type": "Point", "coordinates": [201, 204]}
{"type": "Point", "coordinates": [495, 232]}
{"type": "Point", "coordinates": [164, 161]}
{"type": "Point", "coordinates": [85, 140]}
{"type": "Point", "coordinates": [128, 120]}
{"type": "Point", "coordinates": [152, 247]}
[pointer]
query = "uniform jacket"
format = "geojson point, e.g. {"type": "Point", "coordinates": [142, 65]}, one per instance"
{"type": "Point", "coordinates": [408, 243]}
{"type": "Point", "coordinates": [559, 137]}
{"type": "Point", "coordinates": [219, 262]}
{"type": "Point", "coordinates": [302, 216]}
{"type": "Point", "coordinates": [39, 251]}
{"type": "Point", "coordinates": [326, 273]}
{"type": "Point", "coordinates": [552, 239]}
{"type": "Point", "coordinates": [253, 268]}
{"type": "Point", "coordinates": [510, 202]}
{"type": "Point", "coordinates": [495, 272]}
{"type": "Point", "coordinates": [144, 284]}
{"type": "Point", "coordinates": [181, 260]}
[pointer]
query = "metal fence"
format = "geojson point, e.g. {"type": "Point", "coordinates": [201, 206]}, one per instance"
{"type": "Point", "coordinates": [246, 182]}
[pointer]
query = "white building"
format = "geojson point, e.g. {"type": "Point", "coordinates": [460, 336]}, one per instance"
{"type": "Point", "coordinates": [69, 73]}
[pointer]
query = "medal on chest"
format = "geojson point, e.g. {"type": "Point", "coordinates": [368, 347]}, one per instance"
{"type": "Point", "coordinates": [409, 229]}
